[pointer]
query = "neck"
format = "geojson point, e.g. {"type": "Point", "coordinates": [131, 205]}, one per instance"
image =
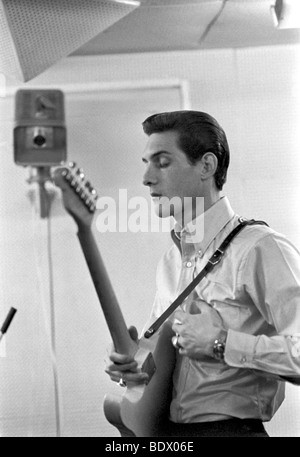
{"type": "Point", "coordinates": [211, 199]}
{"type": "Point", "coordinates": [196, 207]}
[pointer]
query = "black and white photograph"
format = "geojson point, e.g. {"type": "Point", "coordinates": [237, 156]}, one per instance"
{"type": "Point", "coordinates": [149, 221]}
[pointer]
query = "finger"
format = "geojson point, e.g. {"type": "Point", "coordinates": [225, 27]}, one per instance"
{"type": "Point", "coordinates": [121, 359]}
{"type": "Point", "coordinates": [176, 342]}
{"type": "Point", "coordinates": [136, 378]}
{"type": "Point", "coordinates": [177, 328]}
{"type": "Point", "coordinates": [177, 321]}
{"type": "Point", "coordinates": [122, 367]}
{"type": "Point", "coordinates": [179, 315]}
{"type": "Point", "coordinates": [133, 333]}
{"type": "Point", "coordinates": [113, 376]}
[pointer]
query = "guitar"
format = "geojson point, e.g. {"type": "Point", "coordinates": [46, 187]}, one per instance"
{"type": "Point", "coordinates": [142, 409]}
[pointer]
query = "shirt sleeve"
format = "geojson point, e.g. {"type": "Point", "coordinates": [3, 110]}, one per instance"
{"type": "Point", "coordinates": [155, 313]}
{"type": "Point", "coordinates": [271, 278]}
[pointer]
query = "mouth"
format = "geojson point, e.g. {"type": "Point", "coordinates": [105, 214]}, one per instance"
{"type": "Point", "coordinates": [155, 195]}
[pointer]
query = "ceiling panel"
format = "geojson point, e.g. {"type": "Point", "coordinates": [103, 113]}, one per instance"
{"type": "Point", "coordinates": [168, 25]}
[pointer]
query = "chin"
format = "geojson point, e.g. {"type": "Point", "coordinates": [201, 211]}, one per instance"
{"type": "Point", "coordinates": [162, 212]}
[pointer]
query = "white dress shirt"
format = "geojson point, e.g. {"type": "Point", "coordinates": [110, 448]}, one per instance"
{"type": "Point", "coordinates": [256, 290]}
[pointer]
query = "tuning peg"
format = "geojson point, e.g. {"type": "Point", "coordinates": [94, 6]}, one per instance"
{"type": "Point", "coordinates": [81, 193]}
{"type": "Point", "coordinates": [80, 173]}
{"type": "Point", "coordinates": [78, 189]}
{"type": "Point", "coordinates": [67, 175]}
{"type": "Point", "coordinates": [72, 164]}
{"type": "Point", "coordinates": [91, 189]}
{"type": "Point", "coordinates": [92, 207]}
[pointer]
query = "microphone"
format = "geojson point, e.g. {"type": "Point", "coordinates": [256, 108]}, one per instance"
{"type": "Point", "coordinates": [40, 137]}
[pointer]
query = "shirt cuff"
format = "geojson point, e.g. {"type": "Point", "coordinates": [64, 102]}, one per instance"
{"type": "Point", "coordinates": [240, 349]}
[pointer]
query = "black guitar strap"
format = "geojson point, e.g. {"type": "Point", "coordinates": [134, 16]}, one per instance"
{"type": "Point", "coordinates": [213, 261]}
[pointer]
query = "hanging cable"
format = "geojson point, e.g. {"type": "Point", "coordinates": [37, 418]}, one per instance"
{"type": "Point", "coordinates": [50, 327]}
{"type": "Point", "coordinates": [212, 22]}
{"type": "Point", "coordinates": [53, 322]}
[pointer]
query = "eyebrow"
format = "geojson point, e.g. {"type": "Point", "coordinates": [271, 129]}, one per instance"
{"type": "Point", "coordinates": [155, 155]}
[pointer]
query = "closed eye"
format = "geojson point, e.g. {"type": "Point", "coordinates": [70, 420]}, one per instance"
{"type": "Point", "coordinates": [163, 163]}
{"type": "Point", "coordinates": [160, 159]}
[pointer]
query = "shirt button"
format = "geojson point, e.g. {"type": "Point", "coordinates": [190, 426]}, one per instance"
{"type": "Point", "coordinates": [189, 264]}
{"type": "Point", "coordinates": [243, 359]}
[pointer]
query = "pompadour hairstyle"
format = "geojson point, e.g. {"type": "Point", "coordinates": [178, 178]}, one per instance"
{"type": "Point", "coordinates": [198, 133]}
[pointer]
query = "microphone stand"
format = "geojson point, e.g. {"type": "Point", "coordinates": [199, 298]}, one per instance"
{"type": "Point", "coordinates": [41, 176]}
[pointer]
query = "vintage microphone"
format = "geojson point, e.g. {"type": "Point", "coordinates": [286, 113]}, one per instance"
{"type": "Point", "coordinates": [40, 139]}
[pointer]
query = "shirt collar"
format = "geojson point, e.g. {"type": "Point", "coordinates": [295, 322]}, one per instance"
{"type": "Point", "coordinates": [204, 228]}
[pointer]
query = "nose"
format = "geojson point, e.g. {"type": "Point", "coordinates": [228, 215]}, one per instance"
{"type": "Point", "coordinates": [149, 177]}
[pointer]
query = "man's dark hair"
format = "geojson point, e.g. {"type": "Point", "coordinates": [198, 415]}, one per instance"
{"type": "Point", "coordinates": [198, 133]}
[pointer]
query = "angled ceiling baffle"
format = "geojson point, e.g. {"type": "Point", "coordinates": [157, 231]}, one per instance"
{"type": "Point", "coordinates": [35, 34]}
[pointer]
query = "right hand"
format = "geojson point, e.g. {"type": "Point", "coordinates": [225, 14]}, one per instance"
{"type": "Point", "coordinates": [125, 366]}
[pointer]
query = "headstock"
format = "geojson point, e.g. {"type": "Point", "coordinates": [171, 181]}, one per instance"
{"type": "Point", "coordinates": [79, 196]}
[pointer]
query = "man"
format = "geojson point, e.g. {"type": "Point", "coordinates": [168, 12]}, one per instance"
{"type": "Point", "coordinates": [237, 335]}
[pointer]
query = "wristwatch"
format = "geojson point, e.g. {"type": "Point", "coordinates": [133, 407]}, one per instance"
{"type": "Point", "coordinates": [219, 347]}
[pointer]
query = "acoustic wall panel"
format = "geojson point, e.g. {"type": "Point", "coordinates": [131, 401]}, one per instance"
{"type": "Point", "coordinates": [9, 62]}
{"type": "Point", "coordinates": [35, 34]}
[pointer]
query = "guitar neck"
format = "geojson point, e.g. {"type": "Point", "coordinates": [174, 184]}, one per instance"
{"type": "Point", "coordinates": [108, 301]}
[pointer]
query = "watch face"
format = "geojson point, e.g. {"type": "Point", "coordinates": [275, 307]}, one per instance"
{"type": "Point", "coordinates": [219, 349]}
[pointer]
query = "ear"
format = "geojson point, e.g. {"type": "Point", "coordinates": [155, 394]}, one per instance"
{"type": "Point", "coordinates": [209, 164]}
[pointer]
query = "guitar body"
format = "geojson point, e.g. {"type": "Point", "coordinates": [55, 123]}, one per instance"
{"type": "Point", "coordinates": [143, 409]}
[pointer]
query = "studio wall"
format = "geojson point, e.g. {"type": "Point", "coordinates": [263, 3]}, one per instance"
{"type": "Point", "coordinates": [254, 93]}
